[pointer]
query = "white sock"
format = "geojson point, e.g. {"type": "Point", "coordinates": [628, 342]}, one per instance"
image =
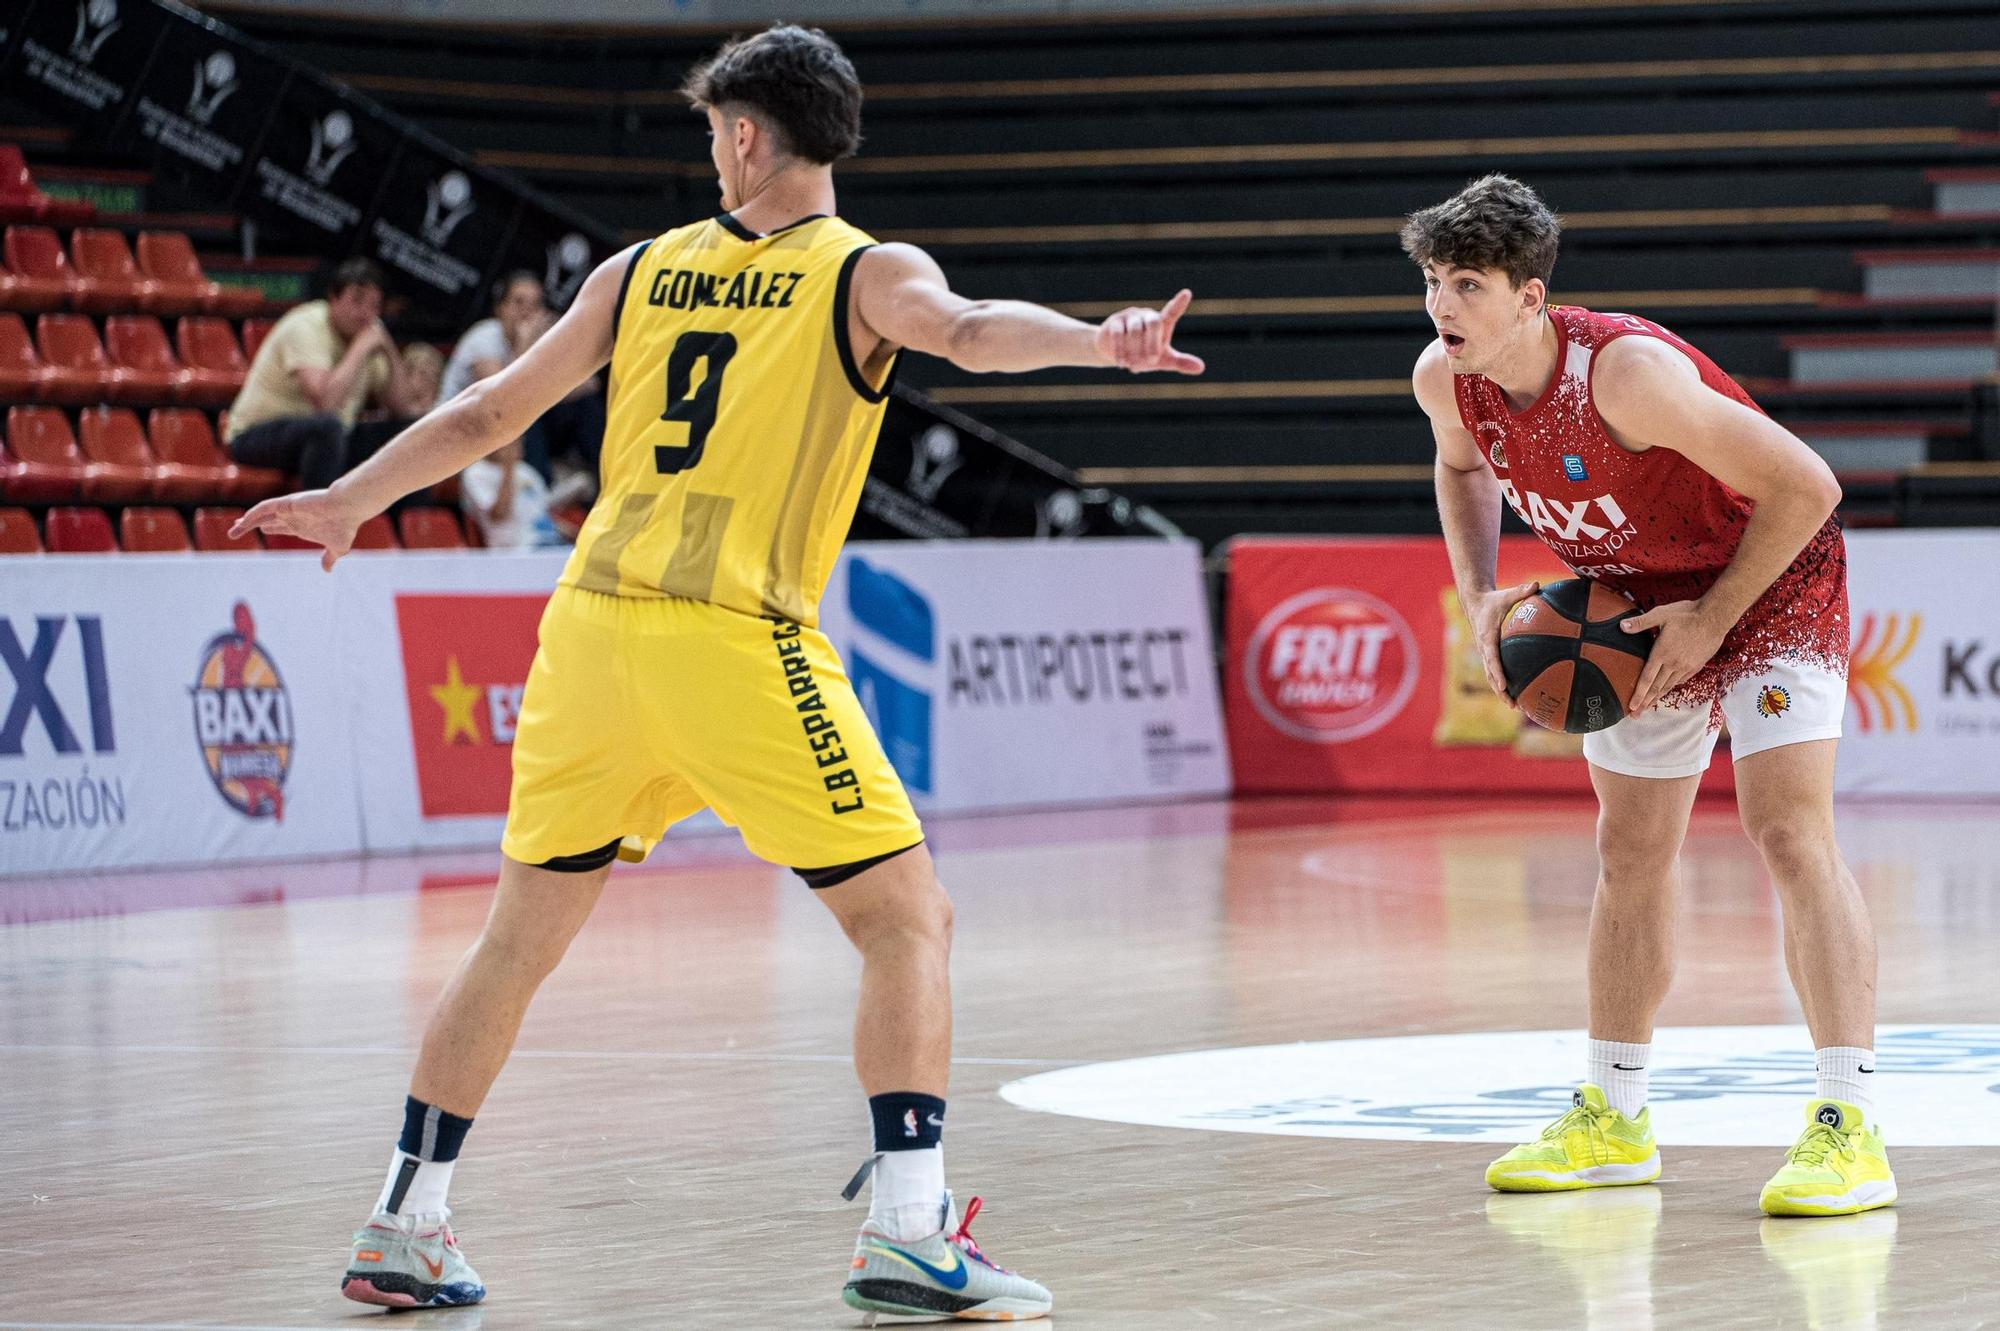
{"type": "Point", "coordinates": [1620, 1071]}
{"type": "Point", "coordinates": [1847, 1073]}
{"type": "Point", "coordinates": [425, 1195]}
{"type": "Point", "coordinates": [907, 1202]}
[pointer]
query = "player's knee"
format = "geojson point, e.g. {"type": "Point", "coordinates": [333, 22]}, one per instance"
{"type": "Point", "coordinates": [1794, 852]}
{"type": "Point", "coordinates": [920, 918]}
{"type": "Point", "coordinates": [1635, 856]}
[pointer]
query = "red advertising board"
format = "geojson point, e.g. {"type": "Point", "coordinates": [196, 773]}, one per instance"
{"type": "Point", "coordinates": [1351, 668]}
{"type": "Point", "coordinates": [465, 662]}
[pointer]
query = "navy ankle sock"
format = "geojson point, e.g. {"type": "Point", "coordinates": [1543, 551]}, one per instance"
{"type": "Point", "coordinates": [430, 1134]}
{"type": "Point", "coordinates": [906, 1120]}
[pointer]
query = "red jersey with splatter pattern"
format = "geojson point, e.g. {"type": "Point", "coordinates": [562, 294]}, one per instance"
{"type": "Point", "coordinates": [1651, 524]}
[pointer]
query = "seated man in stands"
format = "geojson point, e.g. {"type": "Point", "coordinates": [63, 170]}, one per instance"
{"type": "Point", "coordinates": [318, 368]}
{"type": "Point", "coordinates": [574, 427]}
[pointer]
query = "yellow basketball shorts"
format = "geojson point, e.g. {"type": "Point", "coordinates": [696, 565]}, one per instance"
{"type": "Point", "coordinates": [638, 713]}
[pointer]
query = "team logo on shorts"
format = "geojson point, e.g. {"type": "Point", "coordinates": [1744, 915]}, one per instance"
{"type": "Point", "coordinates": [1773, 700]}
{"type": "Point", "coordinates": [243, 720]}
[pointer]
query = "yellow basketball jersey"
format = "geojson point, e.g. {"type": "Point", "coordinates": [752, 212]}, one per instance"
{"type": "Point", "coordinates": [739, 428]}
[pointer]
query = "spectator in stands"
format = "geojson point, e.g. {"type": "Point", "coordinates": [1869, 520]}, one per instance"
{"type": "Point", "coordinates": [423, 372]}
{"type": "Point", "coordinates": [509, 502]}
{"type": "Point", "coordinates": [318, 368]}
{"type": "Point", "coordinates": [572, 428]}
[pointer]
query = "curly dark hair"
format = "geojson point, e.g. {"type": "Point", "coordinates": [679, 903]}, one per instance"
{"type": "Point", "coordinates": [1495, 222]}
{"type": "Point", "coordinates": [798, 79]}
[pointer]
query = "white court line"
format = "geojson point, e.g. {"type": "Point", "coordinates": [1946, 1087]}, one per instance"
{"type": "Point", "coordinates": [160, 1326]}
{"type": "Point", "coordinates": [636, 1055]}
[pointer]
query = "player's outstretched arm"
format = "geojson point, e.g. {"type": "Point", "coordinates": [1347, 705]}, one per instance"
{"type": "Point", "coordinates": [1469, 511]}
{"type": "Point", "coordinates": [1651, 396]}
{"type": "Point", "coordinates": [903, 300]}
{"type": "Point", "coordinates": [489, 413]}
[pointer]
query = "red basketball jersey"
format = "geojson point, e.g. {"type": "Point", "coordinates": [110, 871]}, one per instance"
{"type": "Point", "coordinates": [1653, 525]}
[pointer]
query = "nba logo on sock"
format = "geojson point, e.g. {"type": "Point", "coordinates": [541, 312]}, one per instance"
{"type": "Point", "coordinates": [1573, 467]}
{"type": "Point", "coordinates": [909, 1122]}
{"type": "Point", "coordinates": [891, 658]}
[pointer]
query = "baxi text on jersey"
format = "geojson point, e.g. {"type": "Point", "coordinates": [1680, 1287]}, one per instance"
{"type": "Point", "coordinates": [751, 289]}
{"type": "Point", "coordinates": [1585, 529]}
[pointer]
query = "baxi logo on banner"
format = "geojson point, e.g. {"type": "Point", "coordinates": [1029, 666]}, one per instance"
{"type": "Point", "coordinates": [243, 720]}
{"type": "Point", "coordinates": [465, 663]}
{"type": "Point", "coordinates": [1331, 665]}
{"type": "Point", "coordinates": [1881, 702]}
{"type": "Point", "coordinates": [59, 708]}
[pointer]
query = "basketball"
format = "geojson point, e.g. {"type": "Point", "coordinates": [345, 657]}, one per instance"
{"type": "Point", "coordinates": [1568, 663]}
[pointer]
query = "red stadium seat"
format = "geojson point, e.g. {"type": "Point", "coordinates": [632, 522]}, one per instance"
{"type": "Point", "coordinates": [430, 529]}
{"type": "Point", "coordinates": [254, 333]}
{"type": "Point", "coordinates": [38, 276]}
{"type": "Point", "coordinates": [22, 374]}
{"type": "Point", "coordinates": [40, 464]}
{"type": "Point", "coordinates": [17, 532]}
{"type": "Point", "coordinates": [211, 530]}
{"type": "Point", "coordinates": [153, 531]}
{"type": "Point", "coordinates": [375, 534]}
{"type": "Point", "coordinates": [80, 531]}
{"type": "Point", "coordinates": [79, 371]}
{"type": "Point", "coordinates": [183, 438]}
{"type": "Point", "coordinates": [108, 279]}
{"type": "Point", "coordinates": [138, 346]}
{"type": "Point", "coordinates": [168, 258]}
{"type": "Point", "coordinates": [21, 200]}
{"type": "Point", "coordinates": [113, 436]}
{"type": "Point", "coordinates": [121, 468]}
{"type": "Point", "coordinates": [216, 363]}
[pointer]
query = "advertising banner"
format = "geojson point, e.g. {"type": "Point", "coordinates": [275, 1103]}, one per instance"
{"type": "Point", "coordinates": [1007, 674]}
{"type": "Point", "coordinates": [204, 103]}
{"type": "Point", "coordinates": [171, 709]}
{"type": "Point", "coordinates": [1923, 696]}
{"type": "Point", "coordinates": [321, 162]}
{"type": "Point", "coordinates": [82, 59]}
{"type": "Point", "coordinates": [1351, 668]}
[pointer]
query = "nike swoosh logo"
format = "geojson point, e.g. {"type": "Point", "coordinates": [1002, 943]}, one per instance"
{"type": "Point", "coordinates": [937, 1122]}
{"type": "Point", "coordinates": [954, 1278]}
{"type": "Point", "coordinates": [1624, 1067]}
{"type": "Point", "coordinates": [436, 1268]}
{"type": "Point", "coordinates": [1864, 1069]}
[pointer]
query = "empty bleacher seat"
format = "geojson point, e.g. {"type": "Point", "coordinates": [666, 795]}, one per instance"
{"type": "Point", "coordinates": [168, 257]}
{"type": "Point", "coordinates": [79, 371]}
{"type": "Point", "coordinates": [121, 468]}
{"type": "Point", "coordinates": [39, 277]}
{"type": "Point", "coordinates": [17, 532]}
{"type": "Point", "coordinates": [80, 531]}
{"type": "Point", "coordinates": [183, 438]}
{"type": "Point", "coordinates": [254, 333]}
{"type": "Point", "coordinates": [113, 435]}
{"type": "Point", "coordinates": [21, 200]}
{"type": "Point", "coordinates": [153, 531]}
{"type": "Point", "coordinates": [107, 277]}
{"type": "Point", "coordinates": [375, 534]}
{"type": "Point", "coordinates": [22, 374]}
{"type": "Point", "coordinates": [211, 530]}
{"type": "Point", "coordinates": [430, 529]}
{"type": "Point", "coordinates": [138, 346]}
{"type": "Point", "coordinates": [215, 363]}
{"type": "Point", "coordinates": [41, 463]}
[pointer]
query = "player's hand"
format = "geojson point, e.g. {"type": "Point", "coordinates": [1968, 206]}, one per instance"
{"type": "Point", "coordinates": [320, 516]}
{"type": "Point", "coordinates": [1140, 339]}
{"type": "Point", "coordinates": [1486, 613]}
{"type": "Point", "coordinates": [1687, 641]}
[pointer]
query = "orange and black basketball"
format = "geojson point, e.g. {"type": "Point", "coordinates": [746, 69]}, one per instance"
{"type": "Point", "coordinates": [1569, 664]}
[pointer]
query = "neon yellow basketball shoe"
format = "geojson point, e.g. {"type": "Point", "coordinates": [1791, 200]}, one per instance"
{"type": "Point", "coordinates": [1592, 1146]}
{"type": "Point", "coordinates": [1838, 1166]}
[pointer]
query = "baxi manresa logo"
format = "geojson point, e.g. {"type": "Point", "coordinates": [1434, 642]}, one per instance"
{"type": "Point", "coordinates": [1331, 665]}
{"type": "Point", "coordinates": [243, 720]}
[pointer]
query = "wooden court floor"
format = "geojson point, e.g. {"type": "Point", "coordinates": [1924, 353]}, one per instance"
{"type": "Point", "coordinates": [196, 1103]}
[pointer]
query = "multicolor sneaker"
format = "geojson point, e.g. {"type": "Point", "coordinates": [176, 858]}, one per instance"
{"type": "Point", "coordinates": [1838, 1166]}
{"type": "Point", "coordinates": [410, 1261]}
{"type": "Point", "coordinates": [1592, 1146]}
{"type": "Point", "coordinates": [942, 1276]}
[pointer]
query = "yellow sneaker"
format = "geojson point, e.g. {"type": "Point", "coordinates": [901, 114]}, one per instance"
{"type": "Point", "coordinates": [1592, 1146]}
{"type": "Point", "coordinates": [1838, 1166]}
